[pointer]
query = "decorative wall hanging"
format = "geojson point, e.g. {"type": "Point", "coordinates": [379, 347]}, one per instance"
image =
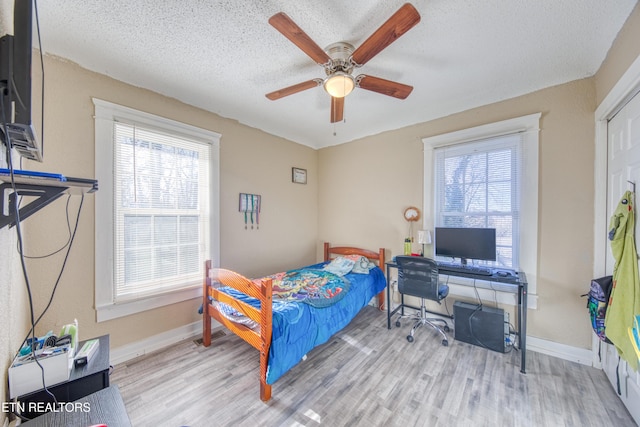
{"type": "Point", "coordinates": [250, 204]}
{"type": "Point", "coordinates": [298, 175]}
{"type": "Point", "coordinates": [411, 215]}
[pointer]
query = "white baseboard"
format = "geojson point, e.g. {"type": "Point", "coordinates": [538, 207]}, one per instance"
{"type": "Point", "coordinates": [194, 330]}
{"type": "Point", "coordinates": [574, 354]}
{"type": "Point", "coordinates": [156, 342]}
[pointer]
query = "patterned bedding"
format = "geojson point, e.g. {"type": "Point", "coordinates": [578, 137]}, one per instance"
{"type": "Point", "coordinates": [309, 306]}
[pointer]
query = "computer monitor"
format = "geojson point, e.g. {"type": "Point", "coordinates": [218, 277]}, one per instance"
{"type": "Point", "coordinates": [466, 243]}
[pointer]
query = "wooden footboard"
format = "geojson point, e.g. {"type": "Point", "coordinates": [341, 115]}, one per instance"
{"type": "Point", "coordinates": [259, 339]}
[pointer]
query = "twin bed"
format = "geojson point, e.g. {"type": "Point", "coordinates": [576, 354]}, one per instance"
{"type": "Point", "coordinates": [286, 315]}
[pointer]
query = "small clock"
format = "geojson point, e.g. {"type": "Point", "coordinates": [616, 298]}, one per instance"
{"type": "Point", "coordinates": [412, 214]}
{"type": "Point", "coordinates": [299, 176]}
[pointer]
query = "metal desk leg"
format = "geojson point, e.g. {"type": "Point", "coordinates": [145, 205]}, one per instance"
{"type": "Point", "coordinates": [522, 325]}
{"type": "Point", "coordinates": [388, 298]}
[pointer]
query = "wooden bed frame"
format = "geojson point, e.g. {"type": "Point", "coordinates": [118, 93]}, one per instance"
{"type": "Point", "coordinates": [259, 339]}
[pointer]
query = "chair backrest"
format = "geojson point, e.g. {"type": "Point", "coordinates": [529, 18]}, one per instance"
{"type": "Point", "coordinates": [418, 276]}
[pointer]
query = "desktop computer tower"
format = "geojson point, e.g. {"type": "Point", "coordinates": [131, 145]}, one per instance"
{"type": "Point", "coordinates": [482, 326]}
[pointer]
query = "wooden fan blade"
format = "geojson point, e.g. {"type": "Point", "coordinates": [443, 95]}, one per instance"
{"type": "Point", "coordinates": [281, 93]}
{"type": "Point", "coordinates": [385, 87]}
{"type": "Point", "coordinates": [337, 109]}
{"type": "Point", "coordinates": [400, 22]}
{"type": "Point", "coordinates": [289, 29]}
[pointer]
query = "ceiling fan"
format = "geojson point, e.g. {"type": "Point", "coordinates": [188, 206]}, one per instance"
{"type": "Point", "coordinates": [341, 58]}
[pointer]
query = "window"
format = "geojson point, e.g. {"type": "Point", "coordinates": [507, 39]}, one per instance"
{"type": "Point", "coordinates": [477, 186]}
{"type": "Point", "coordinates": [487, 177]}
{"type": "Point", "coordinates": [156, 212]}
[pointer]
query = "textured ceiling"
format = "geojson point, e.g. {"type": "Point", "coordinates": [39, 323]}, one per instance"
{"type": "Point", "coordinates": [223, 56]}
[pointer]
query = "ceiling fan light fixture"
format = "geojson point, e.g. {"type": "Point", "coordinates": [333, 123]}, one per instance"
{"type": "Point", "coordinates": [339, 84]}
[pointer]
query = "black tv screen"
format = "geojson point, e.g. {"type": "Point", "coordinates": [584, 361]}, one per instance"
{"type": "Point", "coordinates": [15, 79]}
{"type": "Point", "coordinates": [466, 243]}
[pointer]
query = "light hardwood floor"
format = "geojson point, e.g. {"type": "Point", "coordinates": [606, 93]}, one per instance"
{"type": "Point", "coordinates": [366, 375]}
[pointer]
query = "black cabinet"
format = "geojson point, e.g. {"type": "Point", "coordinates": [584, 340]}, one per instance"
{"type": "Point", "coordinates": [83, 380]}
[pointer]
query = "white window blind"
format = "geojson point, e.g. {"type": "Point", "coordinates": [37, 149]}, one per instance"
{"type": "Point", "coordinates": [161, 210]}
{"type": "Point", "coordinates": [477, 184]}
{"type": "Point", "coordinates": [157, 211]}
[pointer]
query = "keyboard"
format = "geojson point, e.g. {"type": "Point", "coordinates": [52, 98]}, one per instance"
{"type": "Point", "coordinates": [468, 269]}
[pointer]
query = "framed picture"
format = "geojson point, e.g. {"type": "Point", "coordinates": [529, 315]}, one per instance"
{"type": "Point", "coordinates": [299, 176]}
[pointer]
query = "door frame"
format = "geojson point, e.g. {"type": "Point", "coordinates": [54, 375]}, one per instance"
{"type": "Point", "coordinates": [617, 97]}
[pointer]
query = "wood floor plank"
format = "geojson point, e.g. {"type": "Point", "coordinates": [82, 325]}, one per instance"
{"type": "Point", "coordinates": [370, 376]}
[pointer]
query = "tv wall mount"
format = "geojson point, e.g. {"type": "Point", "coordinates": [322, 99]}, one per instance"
{"type": "Point", "coordinates": [39, 189]}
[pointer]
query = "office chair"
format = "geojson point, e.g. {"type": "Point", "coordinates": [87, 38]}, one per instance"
{"type": "Point", "coordinates": [418, 276]}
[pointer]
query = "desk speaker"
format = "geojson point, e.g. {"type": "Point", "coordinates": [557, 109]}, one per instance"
{"type": "Point", "coordinates": [482, 326]}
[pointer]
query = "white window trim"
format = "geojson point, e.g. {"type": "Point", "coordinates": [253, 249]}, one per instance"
{"type": "Point", "coordinates": [530, 126]}
{"type": "Point", "coordinates": [105, 114]}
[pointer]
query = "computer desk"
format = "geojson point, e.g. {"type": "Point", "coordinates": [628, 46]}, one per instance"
{"type": "Point", "coordinates": [515, 284]}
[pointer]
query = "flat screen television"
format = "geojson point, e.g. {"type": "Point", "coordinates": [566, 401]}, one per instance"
{"type": "Point", "coordinates": [15, 81]}
{"type": "Point", "coordinates": [466, 243]}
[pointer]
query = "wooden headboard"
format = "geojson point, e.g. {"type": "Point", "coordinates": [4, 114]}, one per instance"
{"type": "Point", "coordinates": [378, 257]}
{"type": "Point", "coordinates": [331, 252]}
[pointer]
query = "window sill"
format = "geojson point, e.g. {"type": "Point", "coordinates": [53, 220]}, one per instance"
{"type": "Point", "coordinates": [115, 310]}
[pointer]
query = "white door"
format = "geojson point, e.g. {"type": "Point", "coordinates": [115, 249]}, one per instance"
{"type": "Point", "coordinates": [623, 159]}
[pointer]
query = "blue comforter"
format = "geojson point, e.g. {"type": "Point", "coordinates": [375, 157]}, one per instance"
{"type": "Point", "coordinates": [300, 327]}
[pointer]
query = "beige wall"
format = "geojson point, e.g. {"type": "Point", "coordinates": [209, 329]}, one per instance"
{"type": "Point", "coordinates": [12, 309]}
{"type": "Point", "coordinates": [14, 312]}
{"type": "Point", "coordinates": [251, 162]}
{"type": "Point", "coordinates": [621, 55]}
{"type": "Point", "coordinates": [386, 173]}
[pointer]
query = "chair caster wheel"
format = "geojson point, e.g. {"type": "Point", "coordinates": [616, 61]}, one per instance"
{"type": "Point", "coordinates": [398, 324]}
{"type": "Point", "coordinates": [446, 329]}
{"type": "Point", "coordinates": [445, 343]}
{"type": "Point", "coordinates": [409, 338]}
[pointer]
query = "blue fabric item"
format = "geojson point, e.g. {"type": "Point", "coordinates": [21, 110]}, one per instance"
{"type": "Point", "coordinates": [443, 291]}
{"type": "Point", "coordinates": [300, 327]}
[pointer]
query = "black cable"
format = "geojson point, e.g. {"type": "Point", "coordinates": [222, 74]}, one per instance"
{"type": "Point", "coordinates": [473, 313]}
{"type": "Point", "coordinates": [63, 246]}
{"type": "Point", "coordinates": [62, 268]}
{"type": "Point", "coordinates": [33, 324]}
{"type": "Point", "coordinates": [480, 343]}
{"type": "Point", "coordinates": [17, 210]}
{"type": "Point", "coordinates": [512, 345]}
{"type": "Point", "coordinates": [20, 243]}
{"type": "Point", "coordinates": [475, 288]}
